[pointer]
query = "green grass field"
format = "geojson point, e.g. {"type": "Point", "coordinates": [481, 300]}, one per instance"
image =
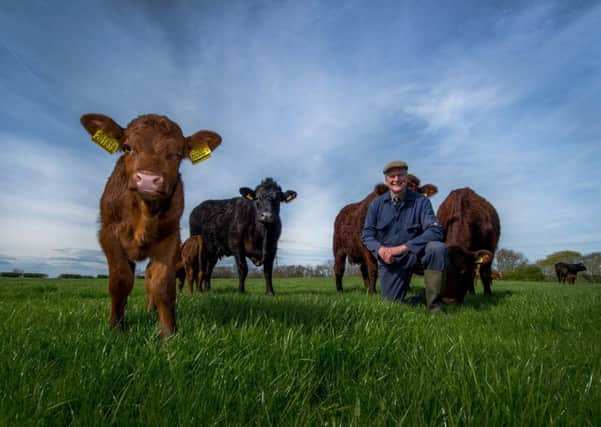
{"type": "Point", "coordinates": [531, 355]}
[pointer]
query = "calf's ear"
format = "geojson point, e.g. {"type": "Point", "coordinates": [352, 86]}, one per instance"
{"type": "Point", "coordinates": [248, 194]}
{"type": "Point", "coordinates": [104, 131]}
{"type": "Point", "coordinates": [201, 144]}
{"type": "Point", "coordinates": [288, 196]}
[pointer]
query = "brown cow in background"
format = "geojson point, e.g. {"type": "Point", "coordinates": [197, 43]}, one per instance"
{"type": "Point", "coordinates": [142, 204]}
{"type": "Point", "coordinates": [471, 231]}
{"type": "Point", "coordinates": [191, 263]}
{"type": "Point", "coordinates": [348, 227]}
{"type": "Point", "coordinates": [427, 190]}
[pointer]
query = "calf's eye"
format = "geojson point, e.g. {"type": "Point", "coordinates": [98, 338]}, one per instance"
{"type": "Point", "coordinates": [127, 149]}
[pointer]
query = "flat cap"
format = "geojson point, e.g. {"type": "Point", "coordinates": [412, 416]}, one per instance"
{"type": "Point", "coordinates": [395, 164]}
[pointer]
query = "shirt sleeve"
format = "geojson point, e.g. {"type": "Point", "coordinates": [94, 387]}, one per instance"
{"type": "Point", "coordinates": [433, 231]}
{"type": "Point", "coordinates": [369, 230]}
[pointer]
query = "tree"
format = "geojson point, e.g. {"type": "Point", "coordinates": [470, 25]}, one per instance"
{"type": "Point", "coordinates": [593, 262]}
{"type": "Point", "coordinates": [508, 260]}
{"type": "Point", "coordinates": [548, 264]}
{"type": "Point", "coordinates": [528, 272]}
{"type": "Point", "coordinates": [560, 256]}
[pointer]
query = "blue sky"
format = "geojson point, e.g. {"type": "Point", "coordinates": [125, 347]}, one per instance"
{"type": "Point", "coordinates": [503, 97]}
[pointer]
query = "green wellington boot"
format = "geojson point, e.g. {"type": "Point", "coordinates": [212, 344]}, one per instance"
{"type": "Point", "coordinates": [434, 282]}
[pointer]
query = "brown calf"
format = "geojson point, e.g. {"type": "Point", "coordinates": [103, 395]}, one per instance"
{"type": "Point", "coordinates": [471, 224]}
{"type": "Point", "coordinates": [141, 206]}
{"type": "Point", "coordinates": [191, 262]}
{"type": "Point", "coordinates": [348, 227]}
{"type": "Point", "coordinates": [570, 278]}
{"type": "Point", "coordinates": [494, 274]}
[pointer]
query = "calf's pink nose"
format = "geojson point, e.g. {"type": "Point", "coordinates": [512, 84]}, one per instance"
{"type": "Point", "coordinates": [148, 182]}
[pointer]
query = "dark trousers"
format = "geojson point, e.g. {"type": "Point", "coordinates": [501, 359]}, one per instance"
{"type": "Point", "coordinates": [395, 277]}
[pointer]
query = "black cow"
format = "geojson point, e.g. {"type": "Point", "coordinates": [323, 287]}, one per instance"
{"type": "Point", "coordinates": [562, 270]}
{"type": "Point", "coordinates": [247, 226]}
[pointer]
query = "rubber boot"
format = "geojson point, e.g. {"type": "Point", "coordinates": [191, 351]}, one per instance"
{"type": "Point", "coordinates": [434, 282]}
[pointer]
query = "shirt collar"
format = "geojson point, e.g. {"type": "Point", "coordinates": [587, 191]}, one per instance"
{"type": "Point", "coordinates": [406, 195]}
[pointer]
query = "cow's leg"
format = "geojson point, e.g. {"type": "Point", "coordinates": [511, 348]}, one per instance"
{"type": "Point", "coordinates": [472, 286]}
{"type": "Point", "coordinates": [150, 306]}
{"type": "Point", "coordinates": [190, 277]}
{"type": "Point", "coordinates": [242, 266]}
{"type": "Point", "coordinates": [364, 275]}
{"type": "Point", "coordinates": [210, 265]}
{"type": "Point", "coordinates": [181, 277]}
{"type": "Point", "coordinates": [161, 284]}
{"type": "Point", "coordinates": [339, 265]}
{"type": "Point", "coordinates": [372, 272]}
{"type": "Point", "coordinates": [486, 278]}
{"type": "Point", "coordinates": [199, 278]}
{"type": "Point", "coordinates": [198, 267]}
{"type": "Point", "coordinates": [268, 273]}
{"type": "Point", "coordinates": [121, 277]}
{"type": "Point", "coordinates": [369, 281]}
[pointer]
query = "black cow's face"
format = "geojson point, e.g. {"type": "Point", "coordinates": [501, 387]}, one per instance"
{"type": "Point", "coordinates": [267, 198]}
{"type": "Point", "coordinates": [580, 267]}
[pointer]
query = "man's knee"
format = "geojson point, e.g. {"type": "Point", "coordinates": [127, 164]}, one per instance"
{"type": "Point", "coordinates": [436, 249]}
{"type": "Point", "coordinates": [435, 257]}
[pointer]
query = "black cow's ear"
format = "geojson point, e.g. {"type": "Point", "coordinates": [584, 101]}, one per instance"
{"type": "Point", "coordinates": [104, 131]}
{"type": "Point", "coordinates": [288, 196]}
{"type": "Point", "coordinates": [248, 194]}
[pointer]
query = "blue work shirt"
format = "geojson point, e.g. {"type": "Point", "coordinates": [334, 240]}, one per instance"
{"type": "Point", "coordinates": [412, 222]}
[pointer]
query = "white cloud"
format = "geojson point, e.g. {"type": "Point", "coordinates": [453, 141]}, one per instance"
{"type": "Point", "coordinates": [318, 113]}
{"type": "Point", "coordinates": [308, 224]}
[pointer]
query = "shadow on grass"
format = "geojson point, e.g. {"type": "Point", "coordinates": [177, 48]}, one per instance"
{"type": "Point", "coordinates": [321, 308]}
{"type": "Point", "coordinates": [483, 302]}
{"type": "Point", "coordinates": [257, 310]}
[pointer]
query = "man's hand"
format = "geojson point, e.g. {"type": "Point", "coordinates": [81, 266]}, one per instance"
{"type": "Point", "coordinates": [387, 253]}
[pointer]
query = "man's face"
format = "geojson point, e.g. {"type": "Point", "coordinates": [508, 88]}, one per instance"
{"type": "Point", "coordinates": [396, 179]}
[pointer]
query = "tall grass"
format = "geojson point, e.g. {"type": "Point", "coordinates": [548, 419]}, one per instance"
{"type": "Point", "coordinates": [530, 355]}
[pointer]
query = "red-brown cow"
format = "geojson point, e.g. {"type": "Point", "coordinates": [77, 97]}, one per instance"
{"type": "Point", "coordinates": [191, 263]}
{"type": "Point", "coordinates": [141, 206]}
{"type": "Point", "coordinates": [472, 229]}
{"type": "Point", "coordinates": [460, 275]}
{"type": "Point", "coordinates": [348, 227]}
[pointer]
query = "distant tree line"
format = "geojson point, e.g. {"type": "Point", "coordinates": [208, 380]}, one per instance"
{"type": "Point", "coordinates": [514, 265]}
{"type": "Point", "coordinates": [294, 270]}
{"type": "Point", "coordinates": [510, 264]}
{"type": "Point", "coordinates": [20, 273]}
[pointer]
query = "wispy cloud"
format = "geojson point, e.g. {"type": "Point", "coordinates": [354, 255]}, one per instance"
{"type": "Point", "coordinates": [501, 99]}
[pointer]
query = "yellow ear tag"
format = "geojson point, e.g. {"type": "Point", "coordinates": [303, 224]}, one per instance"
{"type": "Point", "coordinates": [200, 154]}
{"type": "Point", "coordinates": [106, 141]}
{"type": "Point", "coordinates": [249, 197]}
{"type": "Point", "coordinates": [480, 260]}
